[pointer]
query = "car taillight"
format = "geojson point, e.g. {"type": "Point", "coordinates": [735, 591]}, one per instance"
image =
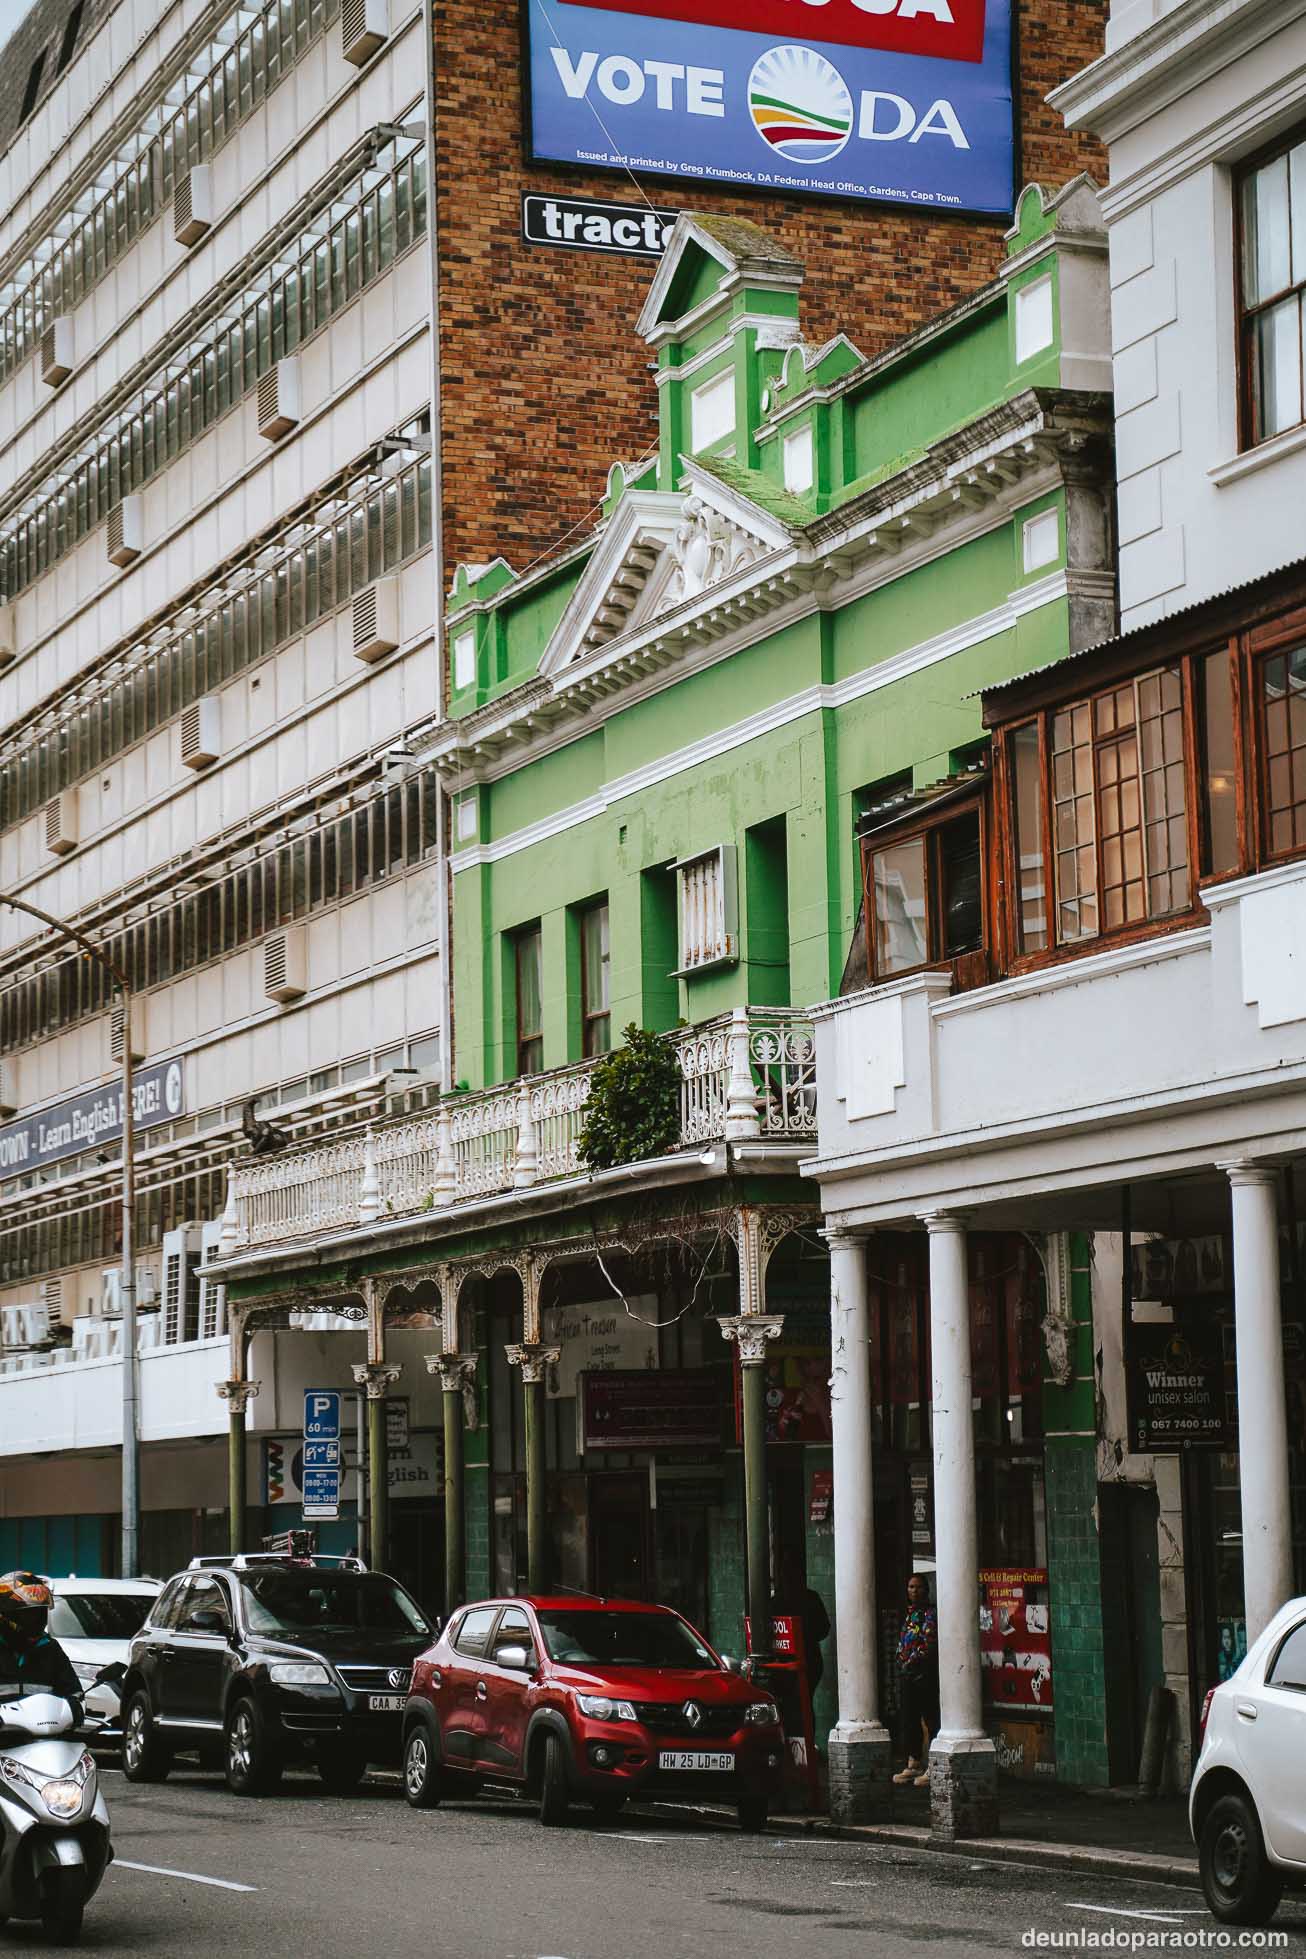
{"type": "Point", "coordinates": [1206, 1709]}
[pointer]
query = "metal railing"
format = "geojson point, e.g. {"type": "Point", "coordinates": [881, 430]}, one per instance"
{"type": "Point", "coordinates": [746, 1076]}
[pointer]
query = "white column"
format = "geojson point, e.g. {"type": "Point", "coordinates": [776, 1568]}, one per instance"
{"type": "Point", "coordinates": [963, 1764]}
{"type": "Point", "coordinates": [859, 1744]}
{"type": "Point", "coordinates": [1262, 1411]}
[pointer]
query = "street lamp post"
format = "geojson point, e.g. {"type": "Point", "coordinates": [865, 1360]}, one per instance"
{"type": "Point", "coordinates": [131, 1467]}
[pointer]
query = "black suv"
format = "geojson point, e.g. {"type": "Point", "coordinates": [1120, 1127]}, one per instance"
{"type": "Point", "coordinates": [268, 1659]}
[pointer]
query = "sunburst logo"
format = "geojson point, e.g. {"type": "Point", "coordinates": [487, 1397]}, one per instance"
{"type": "Point", "coordinates": [800, 104]}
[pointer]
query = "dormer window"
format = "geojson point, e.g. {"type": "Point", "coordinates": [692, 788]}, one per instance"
{"type": "Point", "coordinates": [712, 411]}
{"type": "Point", "coordinates": [923, 876]}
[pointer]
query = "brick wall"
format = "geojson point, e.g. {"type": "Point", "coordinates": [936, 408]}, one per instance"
{"type": "Point", "coordinates": [543, 380]}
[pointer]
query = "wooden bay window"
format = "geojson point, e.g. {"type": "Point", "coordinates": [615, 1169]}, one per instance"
{"type": "Point", "coordinates": [924, 882]}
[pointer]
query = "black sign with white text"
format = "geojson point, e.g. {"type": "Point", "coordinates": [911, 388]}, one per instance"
{"type": "Point", "coordinates": [94, 1117]}
{"type": "Point", "coordinates": [582, 224]}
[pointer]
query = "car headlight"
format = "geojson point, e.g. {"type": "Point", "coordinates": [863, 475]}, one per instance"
{"type": "Point", "coordinates": [762, 1714]}
{"type": "Point", "coordinates": [598, 1707]}
{"type": "Point", "coordinates": [299, 1673]}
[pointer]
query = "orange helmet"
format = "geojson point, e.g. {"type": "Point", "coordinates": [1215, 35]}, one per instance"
{"type": "Point", "coordinates": [25, 1602]}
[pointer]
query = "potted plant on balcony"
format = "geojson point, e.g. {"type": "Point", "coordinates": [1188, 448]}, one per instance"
{"type": "Point", "coordinates": [633, 1111]}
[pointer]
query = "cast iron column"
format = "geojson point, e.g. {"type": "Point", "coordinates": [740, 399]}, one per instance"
{"type": "Point", "coordinates": [458, 1391]}
{"type": "Point", "coordinates": [533, 1359]}
{"type": "Point", "coordinates": [237, 1395]}
{"type": "Point", "coordinates": [750, 1333]}
{"type": "Point", "coordinates": [377, 1378]}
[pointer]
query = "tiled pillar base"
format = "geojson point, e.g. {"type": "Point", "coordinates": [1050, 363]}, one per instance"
{"type": "Point", "coordinates": [963, 1788]}
{"type": "Point", "coordinates": [860, 1761]}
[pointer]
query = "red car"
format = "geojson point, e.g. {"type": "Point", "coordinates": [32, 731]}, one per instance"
{"type": "Point", "coordinates": [591, 1700]}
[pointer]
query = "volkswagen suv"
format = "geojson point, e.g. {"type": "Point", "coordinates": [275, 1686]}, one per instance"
{"type": "Point", "coordinates": [592, 1700]}
{"type": "Point", "coordinates": [257, 1661]}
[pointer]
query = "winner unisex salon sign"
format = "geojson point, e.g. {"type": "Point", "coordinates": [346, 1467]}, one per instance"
{"type": "Point", "coordinates": [91, 1119]}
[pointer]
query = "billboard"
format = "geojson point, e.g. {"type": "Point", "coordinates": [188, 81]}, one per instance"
{"type": "Point", "coordinates": [92, 1118]}
{"type": "Point", "coordinates": [901, 101]}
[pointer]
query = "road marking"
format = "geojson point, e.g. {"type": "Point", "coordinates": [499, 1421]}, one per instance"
{"type": "Point", "coordinates": [627, 1836]}
{"type": "Point", "coordinates": [191, 1877]}
{"type": "Point", "coordinates": [853, 1883]}
{"type": "Point", "coordinates": [1118, 1911]}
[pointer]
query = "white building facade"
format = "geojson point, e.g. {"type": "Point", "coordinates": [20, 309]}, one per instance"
{"type": "Point", "coordinates": [1125, 1087]}
{"type": "Point", "coordinates": [217, 605]}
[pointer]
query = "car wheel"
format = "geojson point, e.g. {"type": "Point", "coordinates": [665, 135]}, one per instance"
{"type": "Point", "coordinates": [1241, 1886]}
{"type": "Point", "coordinates": [341, 1771]}
{"type": "Point", "coordinates": [253, 1762]}
{"type": "Point", "coordinates": [555, 1789]}
{"type": "Point", "coordinates": [145, 1758]}
{"type": "Point", "coordinates": [752, 1814]}
{"type": "Point", "coordinates": [421, 1771]}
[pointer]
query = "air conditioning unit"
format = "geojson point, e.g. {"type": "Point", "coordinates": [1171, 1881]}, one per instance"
{"type": "Point", "coordinates": [88, 1337]}
{"type": "Point", "coordinates": [57, 351]}
{"type": "Point", "coordinates": [192, 205]}
{"type": "Point", "coordinates": [121, 1036]}
{"type": "Point", "coordinates": [181, 1291]}
{"type": "Point", "coordinates": [278, 399]}
{"type": "Point", "coordinates": [51, 1302]}
{"type": "Point", "coordinates": [111, 1292]}
{"type": "Point", "coordinates": [149, 1332]}
{"type": "Point", "coordinates": [284, 967]}
{"type": "Point", "coordinates": [376, 620]}
{"type": "Point", "coordinates": [126, 532]}
{"type": "Point", "coordinates": [61, 823]}
{"type": "Point", "coordinates": [213, 1294]}
{"type": "Point", "coordinates": [364, 27]}
{"type": "Point", "coordinates": [201, 732]}
{"type": "Point", "coordinates": [23, 1326]}
{"type": "Point", "coordinates": [8, 633]}
{"type": "Point", "coordinates": [8, 1104]}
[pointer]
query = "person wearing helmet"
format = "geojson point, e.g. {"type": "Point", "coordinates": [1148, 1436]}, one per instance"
{"type": "Point", "coordinates": [28, 1655]}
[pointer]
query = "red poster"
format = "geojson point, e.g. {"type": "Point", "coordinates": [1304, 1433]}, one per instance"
{"type": "Point", "coordinates": [951, 30]}
{"type": "Point", "coordinates": [1016, 1638]}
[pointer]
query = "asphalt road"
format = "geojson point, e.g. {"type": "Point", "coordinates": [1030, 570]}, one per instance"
{"type": "Point", "coordinates": [303, 1875]}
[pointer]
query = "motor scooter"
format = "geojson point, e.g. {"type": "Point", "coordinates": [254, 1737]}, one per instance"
{"type": "Point", "coordinates": [54, 1826]}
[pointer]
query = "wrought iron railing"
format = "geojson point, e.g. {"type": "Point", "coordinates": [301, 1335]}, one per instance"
{"type": "Point", "coordinates": [749, 1075]}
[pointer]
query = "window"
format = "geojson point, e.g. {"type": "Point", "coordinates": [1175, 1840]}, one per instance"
{"type": "Point", "coordinates": [924, 894]}
{"type": "Point", "coordinates": [1281, 696]}
{"type": "Point", "coordinates": [712, 411]}
{"type": "Point", "coordinates": [596, 1018]}
{"type": "Point", "coordinates": [205, 1595]}
{"type": "Point", "coordinates": [709, 909]}
{"type": "Point", "coordinates": [1272, 213]}
{"type": "Point", "coordinates": [1289, 1667]}
{"type": "Point", "coordinates": [474, 1632]}
{"type": "Point", "coordinates": [528, 953]}
{"type": "Point", "coordinates": [33, 88]}
{"type": "Point", "coordinates": [513, 1629]}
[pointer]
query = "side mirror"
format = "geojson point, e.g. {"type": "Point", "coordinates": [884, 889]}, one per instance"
{"type": "Point", "coordinates": [111, 1674]}
{"type": "Point", "coordinates": [518, 1659]}
{"type": "Point", "coordinates": [206, 1620]}
{"type": "Point", "coordinates": [731, 1664]}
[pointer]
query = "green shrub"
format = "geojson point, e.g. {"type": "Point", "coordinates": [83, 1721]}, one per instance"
{"type": "Point", "coordinates": [634, 1103]}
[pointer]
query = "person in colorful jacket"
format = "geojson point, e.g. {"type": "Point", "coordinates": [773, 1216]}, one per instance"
{"type": "Point", "coordinates": [918, 1672]}
{"type": "Point", "coordinates": [29, 1658]}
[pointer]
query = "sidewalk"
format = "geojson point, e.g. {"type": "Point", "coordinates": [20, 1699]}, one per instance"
{"type": "Point", "coordinates": [1103, 1831]}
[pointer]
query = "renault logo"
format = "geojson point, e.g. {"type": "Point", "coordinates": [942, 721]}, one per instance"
{"type": "Point", "coordinates": [398, 1676]}
{"type": "Point", "coordinates": [693, 1713]}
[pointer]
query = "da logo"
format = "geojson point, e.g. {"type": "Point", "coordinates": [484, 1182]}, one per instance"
{"type": "Point", "coordinates": [800, 104]}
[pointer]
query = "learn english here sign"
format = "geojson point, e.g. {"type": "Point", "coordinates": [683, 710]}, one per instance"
{"type": "Point", "coordinates": [158, 1095]}
{"type": "Point", "coordinates": [900, 101]}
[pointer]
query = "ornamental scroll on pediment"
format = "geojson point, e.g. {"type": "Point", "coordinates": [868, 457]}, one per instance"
{"type": "Point", "coordinates": [704, 548]}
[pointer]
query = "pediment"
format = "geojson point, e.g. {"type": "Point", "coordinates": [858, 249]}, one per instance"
{"type": "Point", "coordinates": [661, 550]}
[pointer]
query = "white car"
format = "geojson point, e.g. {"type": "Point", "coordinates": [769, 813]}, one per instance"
{"type": "Point", "coordinates": [95, 1621]}
{"type": "Point", "coordinates": [1247, 1804]}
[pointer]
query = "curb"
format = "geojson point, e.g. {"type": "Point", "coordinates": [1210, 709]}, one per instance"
{"type": "Point", "coordinates": [1092, 1859]}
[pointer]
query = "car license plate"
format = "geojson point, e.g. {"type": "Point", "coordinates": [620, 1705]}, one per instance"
{"type": "Point", "coordinates": [386, 1703]}
{"type": "Point", "coordinates": [693, 1758]}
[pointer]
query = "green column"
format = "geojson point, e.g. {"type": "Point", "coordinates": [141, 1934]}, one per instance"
{"type": "Point", "coordinates": [755, 1508]}
{"type": "Point", "coordinates": [533, 1392]}
{"type": "Point", "coordinates": [378, 1490]}
{"type": "Point", "coordinates": [237, 1395]}
{"type": "Point", "coordinates": [454, 1554]}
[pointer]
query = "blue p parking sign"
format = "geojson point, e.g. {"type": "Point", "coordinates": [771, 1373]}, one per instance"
{"type": "Point", "coordinates": [321, 1415]}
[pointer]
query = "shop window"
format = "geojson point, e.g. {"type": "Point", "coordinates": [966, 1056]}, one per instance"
{"type": "Point", "coordinates": [595, 987]}
{"type": "Point", "coordinates": [1280, 687]}
{"type": "Point", "coordinates": [924, 894]}
{"type": "Point", "coordinates": [1272, 214]}
{"type": "Point", "coordinates": [528, 963]}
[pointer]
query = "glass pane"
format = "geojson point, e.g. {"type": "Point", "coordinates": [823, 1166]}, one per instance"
{"type": "Point", "coordinates": [961, 907]}
{"type": "Point", "coordinates": [1266, 258]}
{"type": "Point", "coordinates": [1031, 883]}
{"type": "Point", "coordinates": [530, 1008]}
{"type": "Point", "coordinates": [1218, 764]}
{"type": "Point", "coordinates": [1283, 693]}
{"type": "Point", "coordinates": [1297, 191]}
{"type": "Point", "coordinates": [1276, 369]}
{"type": "Point", "coordinates": [898, 886]}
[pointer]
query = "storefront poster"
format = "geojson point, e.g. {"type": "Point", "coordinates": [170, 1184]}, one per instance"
{"type": "Point", "coordinates": [1016, 1637]}
{"type": "Point", "coordinates": [922, 1514]}
{"type": "Point", "coordinates": [1232, 1646]}
{"type": "Point", "coordinates": [1176, 1382]}
{"type": "Point", "coordinates": [909, 103]}
{"type": "Point", "coordinates": [601, 1338]}
{"type": "Point", "coordinates": [413, 1471]}
{"type": "Point", "coordinates": [657, 1408]}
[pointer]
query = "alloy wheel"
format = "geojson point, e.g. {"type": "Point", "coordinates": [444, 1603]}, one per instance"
{"type": "Point", "coordinates": [240, 1743]}
{"type": "Point", "coordinates": [134, 1745]}
{"type": "Point", "coordinates": [416, 1765]}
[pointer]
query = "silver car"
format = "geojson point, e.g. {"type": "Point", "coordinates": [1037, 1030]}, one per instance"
{"type": "Point", "coordinates": [95, 1621]}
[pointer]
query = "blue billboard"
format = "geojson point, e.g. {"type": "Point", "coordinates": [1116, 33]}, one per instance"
{"type": "Point", "coordinates": [900, 101]}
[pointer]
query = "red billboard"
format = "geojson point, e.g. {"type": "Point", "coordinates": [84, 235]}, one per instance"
{"type": "Point", "coordinates": [950, 30]}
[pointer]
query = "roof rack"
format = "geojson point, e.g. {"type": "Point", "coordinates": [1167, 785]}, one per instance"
{"type": "Point", "coordinates": [260, 1560]}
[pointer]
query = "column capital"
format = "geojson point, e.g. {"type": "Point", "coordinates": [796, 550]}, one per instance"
{"type": "Point", "coordinates": [844, 1237]}
{"type": "Point", "coordinates": [1241, 1170]}
{"type": "Point", "coordinates": [237, 1394]}
{"type": "Point", "coordinates": [376, 1377]}
{"type": "Point", "coordinates": [533, 1359]}
{"type": "Point", "coordinates": [943, 1222]}
{"type": "Point", "coordinates": [455, 1370]}
{"type": "Point", "coordinates": [750, 1333]}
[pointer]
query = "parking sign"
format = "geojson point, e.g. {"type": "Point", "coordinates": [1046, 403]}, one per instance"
{"type": "Point", "coordinates": [321, 1415]}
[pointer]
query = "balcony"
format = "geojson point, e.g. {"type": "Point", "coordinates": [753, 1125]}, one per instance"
{"type": "Point", "coordinates": [1147, 1060]}
{"type": "Point", "coordinates": [746, 1077]}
